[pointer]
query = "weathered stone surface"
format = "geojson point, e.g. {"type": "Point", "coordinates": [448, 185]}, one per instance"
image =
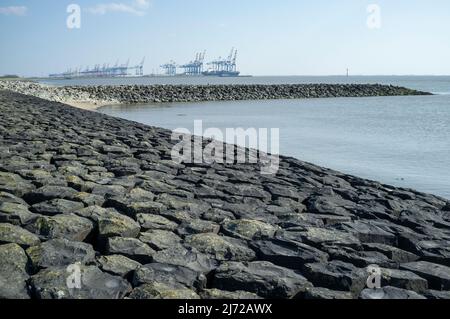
{"type": "Point", "coordinates": [89, 199]}
{"type": "Point", "coordinates": [280, 191]}
{"type": "Point", "coordinates": [245, 190]}
{"type": "Point", "coordinates": [289, 221]}
{"type": "Point", "coordinates": [14, 234]}
{"type": "Point", "coordinates": [131, 248]}
{"type": "Point", "coordinates": [403, 279]}
{"type": "Point", "coordinates": [217, 215]}
{"type": "Point", "coordinates": [438, 276]}
{"type": "Point", "coordinates": [189, 258]}
{"type": "Point", "coordinates": [368, 232]}
{"type": "Point", "coordinates": [13, 272]}
{"type": "Point", "coordinates": [228, 295]}
{"type": "Point", "coordinates": [160, 239]}
{"type": "Point", "coordinates": [15, 213]}
{"type": "Point", "coordinates": [288, 255]}
{"type": "Point", "coordinates": [60, 252]}
{"type": "Point", "coordinates": [10, 198]}
{"type": "Point", "coordinates": [192, 227]}
{"type": "Point", "coordinates": [70, 226]}
{"type": "Point", "coordinates": [114, 224]}
{"type": "Point", "coordinates": [220, 247]}
{"type": "Point", "coordinates": [110, 223]}
{"type": "Point", "coordinates": [358, 258]}
{"type": "Point", "coordinates": [49, 192]}
{"type": "Point", "coordinates": [390, 293]}
{"type": "Point", "coordinates": [76, 183]}
{"type": "Point", "coordinates": [162, 291]}
{"type": "Point", "coordinates": [337, 275]}
{"type": "Point", "coordinates": [118, 265]}
{"type": "Point", "coordinates": [436, 251]}
{"type": "Point", "coordinates": [51, 283]}
{"type": "Point", "coordinates": [318, 237]}
{"type": "Point", "coordinates": [436, 294]}
{"type": "Point", "coordinates": [170, 275]}
{"type": "Point", "coordinates": [56, 206]}
{"type": "Point", "coordinates": [328, 204]}
{"type": "Point", "coordinates": [94, 212]}
{"type": "Point", "coordinates": [393, 253]}
{"type": "Point", "coordinates": [149, 221]}
{"type": "Point", "coordinates": [317, 293]}
{"type": "Point", "coordinates": [14, 184]}
{"type": "Point", "coordinates": [179, 216]}
{"type": "Point", "coordinates": [108, 190]}
{"type": "Point", "coordinates": [137, 201]}
{"type": "Point", "coordinates": [262, 278]}
{"type": "Point", "coordinates": [248, 229]}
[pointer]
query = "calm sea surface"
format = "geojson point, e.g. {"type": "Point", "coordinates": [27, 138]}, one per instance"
{"type": "Point", "coordinates": [403, 141]}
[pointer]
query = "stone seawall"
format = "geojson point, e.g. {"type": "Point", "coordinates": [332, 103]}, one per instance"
{"type": "Point", "coordinates": [129, 94]}
{"type": "Point", "coordinates": [99, 194]}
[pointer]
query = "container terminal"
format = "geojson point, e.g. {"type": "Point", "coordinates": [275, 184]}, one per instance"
{"type": "Point", "coordinates": [220, 67]}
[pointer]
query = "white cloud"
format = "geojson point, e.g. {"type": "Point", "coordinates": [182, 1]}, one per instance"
{"type": "Point", "coordinates": [143, 4]}
{"type": "Point", "coordinates": [137, 7]}
{"type": "Point", "coordinates": [17, 11]}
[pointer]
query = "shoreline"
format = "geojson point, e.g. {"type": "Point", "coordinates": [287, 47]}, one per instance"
{"type": "Point", "coordinates": [89, 106]}
{"type": "Point", "coordinates": [79, 186]}
{"type": "Point", "coordinates": [94, 97]}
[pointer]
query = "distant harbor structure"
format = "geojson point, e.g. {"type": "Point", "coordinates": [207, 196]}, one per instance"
{"type": "Point", "coordinates": [221, 67]}
{"type": "Point", "coordinates": [170, 68]}
{"type": "Point", "coordinates": [194, 67]}
{"type": "Point", "coordinates": [224, 67]}
{"type": "Point", "coordinates": [105, 70]}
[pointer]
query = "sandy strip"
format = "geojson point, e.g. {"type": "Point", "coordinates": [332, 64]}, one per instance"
{"type": "Point", "coordinates": [89, 106]}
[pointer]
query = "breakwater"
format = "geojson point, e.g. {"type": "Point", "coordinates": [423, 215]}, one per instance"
{"type": "Point", "coordinates": [129, 94]}
{"type": "Point", "coordinates": [81, 189]}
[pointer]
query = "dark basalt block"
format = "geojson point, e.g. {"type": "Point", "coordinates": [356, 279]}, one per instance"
{"type": "Point", "coordinates": [438, 276]}
{"type": "Point", "coordinates": [390, 293]}
{"type": "Point", "coordinates": [337, 275]}
{"type": "Point", "coordinates": [51, 283]}
{"type": "Point", "coordinates": [262, 278]}
{"type": "Point", "coordinates": [60, 252]}
{"type": "Point", "coordinates": [169, 275]}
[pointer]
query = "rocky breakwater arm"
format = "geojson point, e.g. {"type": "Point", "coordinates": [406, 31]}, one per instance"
{"type": "Point", "coordinates": [101, 195]}
{"type": "Point", "coordinates": [128, 94]}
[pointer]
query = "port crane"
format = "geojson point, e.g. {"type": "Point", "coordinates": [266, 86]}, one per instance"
{"type": "Point", "coordinates": [194, 67]}
{"type": "Point", "coordinates": [224, 67]}
{"type": "Point", "coordinates": [170, 68]}
{"type": "Point", "coordinates": [105, 70]}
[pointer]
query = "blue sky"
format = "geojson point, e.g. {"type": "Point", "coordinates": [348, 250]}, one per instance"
{"type": "Point", "coordinates": [285, 37]}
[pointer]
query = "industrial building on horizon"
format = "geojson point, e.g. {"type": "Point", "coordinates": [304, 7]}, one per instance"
{"type": "Point", "coordinates": [223, 67]}
{"type": "Point", "coordinates": [105, 70]}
